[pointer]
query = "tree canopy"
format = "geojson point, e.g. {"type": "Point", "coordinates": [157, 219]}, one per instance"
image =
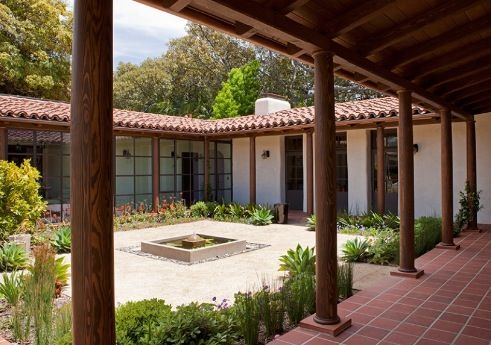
{"type": "Point", "coordinates": [35, 48]}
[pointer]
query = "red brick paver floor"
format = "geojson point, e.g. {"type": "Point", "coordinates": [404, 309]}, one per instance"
{"type": "Point", "coordinates": [450, 304]}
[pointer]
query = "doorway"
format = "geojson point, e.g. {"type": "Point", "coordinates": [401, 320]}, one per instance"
{"type": "Point", "coordinates": [294, 172]}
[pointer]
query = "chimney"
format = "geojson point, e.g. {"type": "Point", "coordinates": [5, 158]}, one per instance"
{"type": "Point", "coordinates": [270, 103]}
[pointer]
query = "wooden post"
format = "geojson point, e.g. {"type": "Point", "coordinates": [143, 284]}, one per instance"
{"type": "Point", "coordinates": [326, 317]}
{"type": "Point", "coordinates": [447, 180]}
{"type": "Point", "coordinates": [310, 173]}
{"type": "Point", "coordinates": [91, 174]}
{"type": "Point", "coordinates": [252, 170]}
{"type": "Point", "coordinates": [380, 170]}
{"type": "Point", "coordinates": [155, 174]}
{"type": "Point", "coordinates": [471, 167]}
{"type": "Point", "coordinates": [406, 187]}
{"type": "Point", "coordinates": [3, 143]}
{"type": "Point", "coordinates": [206, 167]}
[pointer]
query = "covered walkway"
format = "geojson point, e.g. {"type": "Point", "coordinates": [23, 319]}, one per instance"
{"type": "Point", "coordinates": [450, 304]}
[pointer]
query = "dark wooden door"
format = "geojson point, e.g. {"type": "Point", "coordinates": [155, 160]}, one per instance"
{"type": "Point", "coordinates": [294, 172]}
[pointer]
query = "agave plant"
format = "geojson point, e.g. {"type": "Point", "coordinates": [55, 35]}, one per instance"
{"type": "Point", "coordinates": [12, 257]}
{"type": "Point", "coordinates": [62, 242]}
{"type": "Point", "coordinates": [355, 250]}
{"type": "Point", "coordinates": [297, 261]}
{"type": "Point", "coordinates": [311, 222]}
{"type": "Point", "coordinates": [261, 216]}
{"type": "Point", "coordinates": [236, 210]}
{"type": "Point", "coordinates": [11, 287]}
{"type": "Point", "coordinates": [62, 271]}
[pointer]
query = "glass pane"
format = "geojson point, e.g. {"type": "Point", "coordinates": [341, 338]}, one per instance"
{"type": "Point", "coordinates": [143, 147]}
{"type": "Point", "coordinates": [166, 148]}
{"type": "Point", "coordinates": [143, 165]}
{"type": "Point", "coordinates": [123, 200]}
{"type": "Point", "coordinates": [178, 183]}
{"type": "Point", "coordinates": [212, 181]}
{"type": "Point", "coordinates": [66, 140]}
{"type": "Point", "coordinates": [224, 181]}
{"type": "Point", "coordinates": [19, 137]}
{"type": "Point", "coordinates": [212, 149]}
{"type": "Point", "coordinates": [51, 189]}
{"type": "Point", "coordinates": [125, 185]}
{"type": "Point", "coordinates": [146, 199]}
{"type": "Point", "coordinates": [125, 166]}
{"type": "Point", "coordinates": [182, 146]}
{"type": "Point", "coordinates": [198, 195]}
{"type": "Point", "coordinates": [167, 166]}
{"type": "Point", "coordinates": [66, 165]}
{"type": "Point", "coordinates": [201, 166]}
{"type": "Point", "coordinates": [197, 147]}
{"type": "Point", "coordinates": [66, 188]}
{"type": "Point", "coordinates": [167, 183]}
{"type": "Point", "coordinates": [51, 165]}
{"type": "Point", "coordinates": [211, 166]}
{"type": "Point", "coordinates": [224, 150]}
{"type": "Point", "coordinates": [143, 184]}
{"type": "Point", "coordinates": [124, 146]}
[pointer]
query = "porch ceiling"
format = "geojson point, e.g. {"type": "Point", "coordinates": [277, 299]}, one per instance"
{"type": "Point", "coordinates": [439, 49]}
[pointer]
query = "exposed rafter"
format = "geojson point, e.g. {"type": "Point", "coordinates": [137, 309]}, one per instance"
{"type": "Point", "coordinates": [357, 16]}
{"type": "Point", "coordinates": [457, 74]}
{"type": "Point", "coordinates": [442, 41]}
{"type": "Point", "coordinates": [418, 22]}
{"type": "Point", "coordinates": [285, 7]}
{"type": "Point", "coordinates": [176, 5]}
{"type": "Point", "coordinates": [469, 86]}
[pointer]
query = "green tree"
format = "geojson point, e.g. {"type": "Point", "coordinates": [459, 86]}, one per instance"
{"type": "Point", "coordinates": [20, 202]}
{"type": "Point", "coordinates": [35, 48]}
{"type": "Point", "coordinates": [239, 92]}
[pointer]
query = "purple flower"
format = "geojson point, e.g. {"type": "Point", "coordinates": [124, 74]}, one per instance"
{"type": "Point", "coordinates": [214, 299]}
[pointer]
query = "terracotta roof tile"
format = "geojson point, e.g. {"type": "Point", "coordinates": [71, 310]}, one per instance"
{"type": "Point", "coordinates": [28, 108]}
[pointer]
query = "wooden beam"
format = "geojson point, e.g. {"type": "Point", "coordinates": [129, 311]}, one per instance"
{"type": "Point", "coordinates": [414, 24]}
{"type": "Point", "coordinates": [175, 5]}
{"type": "Point", "coordinates": [3, 143]}
{"type": "Point", "coordinates": [244, 30]}
{"type": "Point", "coordinates": [207, 167]}
{"type": "Point", "coordinates": [472, 90]}
{"type": "Point", "coordinates": [325, 196]}
{"type": "Point", "coordinates": [356, 16]}
{"type": "Point", "coordinates": [285, 7]}
{"type": "Point", "coordinates": [380, 170]}
{"type": "Point", "coordinates": [447, 179]}
{"type": "Point", "coordinates": [155, 174]}
{"type": "Point", "coordinates": [455, 57]}
{"type": "Point", "coordinates": [309, 162]}
{"type": "Point", "coordinates": [252, 170]}
{"type": "Point", "coordinates": [471, 168]}
{"type": "Point", "coordinates": [91, 174]}
{"type": "Point", "coordinates": [465, 82]}
{"type": "Point", "coordinates": [440, 42]}
{"type": "Point", "coordinates": [476, 98]}
{"type": "Point", "coordinates": [406, 186]}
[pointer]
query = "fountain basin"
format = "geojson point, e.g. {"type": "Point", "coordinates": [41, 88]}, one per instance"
{"type": "Point", "coordinates": [174, 248]}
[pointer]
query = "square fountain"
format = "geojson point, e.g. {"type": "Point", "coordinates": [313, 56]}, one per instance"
{"type": "Point", "coordinates": [193, 248]}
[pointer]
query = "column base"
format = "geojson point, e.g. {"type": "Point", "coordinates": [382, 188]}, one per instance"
{"type": "Point", "coordinates": [334, 330]}
{"type": "Point", "coordinates": [442, 245]}
{"type": "Point", "coordinates": [416, 274]}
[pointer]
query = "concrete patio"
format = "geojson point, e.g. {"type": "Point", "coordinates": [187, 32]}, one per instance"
{"type": "Point", "coordinates": [450, 304]}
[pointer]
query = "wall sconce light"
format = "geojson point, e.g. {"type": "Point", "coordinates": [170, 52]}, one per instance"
{"type": "Point", "coordinates": [126, 154]}
{"type": "Point", "coordinates": [265, 154]}
{"type": "Point", "coordinates": [415, 148]}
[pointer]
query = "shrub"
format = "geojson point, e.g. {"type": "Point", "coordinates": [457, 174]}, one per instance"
{"type": "Point", "coordinates": [298, 261]}
{"type": "Point", "coordinates": [247, 315]}
{"type": "Point", "coordinates": [261, 216]}
{"type": "Point", "coordinates": [470, 204]}
{"type": "Point", "coordinates": [136, 321]}
{"type": "Point", "coordinates": [38, 294]}
{"type": "Point", "coordinates": [311, 222]}
{"type": "Point", "coordinates": [355, 250]}
{"type": "Point", "coordinates": [345, 279]}
{"type": "Point", "coordinates": [62, 273]}
{"type": "Point", "coordinates": [299, 296]}
{"type": "Point", "coordinates": [176, 209]}
{"type": "Point", "coordinates": [199, 209]}
{"type": "Point", "coordinates": [220, 212]}
{"type": "Point", "coordinates": [198, 324]}
{"type": "Point", "coordinates": [210, 206]}
{"type": "Point", "coordinates": [62, 241]}
{"type": "Point", "coordinates": [236, 211]}
{"type": "Point", "coordinates": [12, 257]}
{"type": "Point", "coordinates": [271, 310]}
{"type": "Point", "coordinates": [427, 234]}
{"type": "Point", "coordinates": [11, 289]}
{"type": "Point", "coordinates": [62, 325]}
{"type": "Point", "coordinates": [20, 202]}
{"type": "Point", "coordinates": [384, 249]}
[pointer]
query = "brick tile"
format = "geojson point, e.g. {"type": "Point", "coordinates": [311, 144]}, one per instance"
{"type": "Point", "coordinates": [360, 340]}
{"type": "Point", "coordinates": [477, 332]}
{"type": "Point", "coordinates": [439, 335]}
{"type": "Point", "coordinates": [382, 322]}
{"type": "Point", "coordinates": [459, 318]}
{"type": "Point", "coordinates": [401, 338]}
{"type": "Point", "coordinates": [295, 337]}
{"type": "Point", "coordinates": [409, 328]}
{"type": "Point", "coordinates": [425, 341]}
{"type": "Point", "coordinates": [478, 322]}
{"type": "Point", "coordinates": [373, 332]}
{"type": "Point", "coordinates": [447, 326]}
{"type": "Point", "coordinates": [468, 340]}
{"type": "Point", "coordinates": [320, 341]}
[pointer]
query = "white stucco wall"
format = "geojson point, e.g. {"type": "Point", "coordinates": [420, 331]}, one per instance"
{"type": "Point", "coordinates": [240, 170]}
{"type": "Point", "coordinates": [427, 183]}
{"type": "Point", "coordinates": [359, 186]}
{"type": "Point", "coordinates": [483, 139]}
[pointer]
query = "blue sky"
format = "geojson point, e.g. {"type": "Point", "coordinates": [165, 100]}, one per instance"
{"type": "Point", "coordinates": [141, 31]}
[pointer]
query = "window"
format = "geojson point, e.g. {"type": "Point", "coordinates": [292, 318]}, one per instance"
{"type": "Point", "coordinates": [341, 163]}
{"type": "Point", "coordinates": [133, 180]}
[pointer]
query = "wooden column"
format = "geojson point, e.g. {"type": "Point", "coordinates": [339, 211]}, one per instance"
{"type": "Point", "coordinates": [325, 196]}
{"type": "Point", "coordinates": [206, 167]}
{"type": "Point", "coordinates": [310, 173]}
{"type": "Point", "coordinates": [155, 174]}
{"type": "Point", "coordinates": [252, 170]}
{"type": "Point", "coordinates": [447, 180]}
{"type": "Point", "coordinates": [3, 143]}
{"type": "Point", "coordinates": [471, 166]}
{"type": "Point", "coordinates": [406, 187]}
{"type": "Point", "coordinates": [380, 170]}
{"type": "Point", "coordinates": [91, 174]}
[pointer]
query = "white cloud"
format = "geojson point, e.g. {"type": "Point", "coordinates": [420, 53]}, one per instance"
{"type": "Point", "coordinates": [141, 31]}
